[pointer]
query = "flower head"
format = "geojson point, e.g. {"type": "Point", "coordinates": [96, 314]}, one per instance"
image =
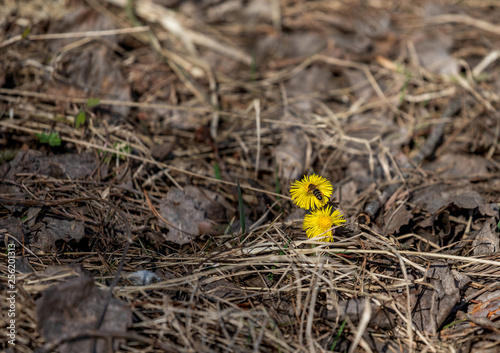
{"type": "Point", "coordinates": [320, 223]}
{"type": "Point", "coordinates": [313, 191]}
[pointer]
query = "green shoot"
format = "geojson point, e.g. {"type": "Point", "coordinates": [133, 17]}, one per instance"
{"type": "Point", "coordinates": [92, 102]}
{"type": "Point", "coordinates": [52, 139]}
{"type": "Point", "coordinates": [217, 171]}
{"type": "Point", "coordinates": [339, 333]}
{"type": "Point", "coordinates": [80, 119]}
{"type": "Point", "coordinates": [26, 32]}
{"type": "Point", "coordinates": [120, 147]}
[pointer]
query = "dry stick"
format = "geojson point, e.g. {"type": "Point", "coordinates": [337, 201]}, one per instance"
{"type": "Point", "coordinates": [143, 159]}
{"type": "Point", "coordinates": [86, 34]}
{"type": "Point", "coordinates": [176, 25]}
{"type": "Point", "coordinates": [106, 335]}
{"type": "Point", "coordinates": [467, 20]}
{"type": "Point", "coordinates": [427, 149]}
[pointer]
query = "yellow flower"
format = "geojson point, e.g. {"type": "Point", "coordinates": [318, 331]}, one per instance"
{"type": "Point", "coordinates": [320, 223]}
{"type": "Point", "coordinates": [313, 191]}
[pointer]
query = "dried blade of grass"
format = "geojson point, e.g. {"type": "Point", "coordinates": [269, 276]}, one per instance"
{"type": "Point", "coordinates": [175, 24]}
{"type": "Point", "coordinates": [467, 85]}
{"type": "Point", "coordinates": [107, 335]}
{"type": "Point", "coordinates": [277, 184]}
{"type": "Point", "coordinates": [312, 305]}
{"type": "Point", "coordinates": [421, 238]}
{"type": "Point", "coordinates": [201, 110]}
{"type": "Point", "coordinates": [183, 76]}
{"type": "Point", "coordinates": [468, 20]}
{"type": "Point", "coordinates": [214, 100]}
{"type": "Point", "coordinates": [55, 98]}
{"type": "Point", "coordinates": [363, 324]}
{"type": "Point", "coordinates": [424, 97]}
{"type": "Point", "coordinates": [256, 105]}
{"type": "Point", "coordinates": [143, 159]}
{"type": "Point", "coordinates": [488, 59]}
{"type": "Point", "coordinates": [86, 34]}
{"type": "Point", "coordinates": [394, 306]}
{"type": "Point", "coordinates": [241, 209]}
{"type": "Point", "coordinates": [408, 320]}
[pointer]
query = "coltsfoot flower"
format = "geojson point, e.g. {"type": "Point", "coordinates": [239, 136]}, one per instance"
{"type": "Point", "coordinates": [320, 223]}
{"type": "Point", "coordinates": [312, 192]}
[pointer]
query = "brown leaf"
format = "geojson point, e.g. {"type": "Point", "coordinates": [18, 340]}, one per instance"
{"type": "Point", "coordinates": [432, 52]}
{"type": "Point", "coordinates": [74, 307]}
{"type": "Point", "coordinates": [216, 208]}
{"type": "Point", "coordinates": [353, 309]}
{"type": "Point", "coordinates": [395, 220]}
{"type": "Point", "coordinates": [69, 165]}
{"type": "Point", "coordinates": [487, 241]}
{"type": "Point", "coordinates": [459, 165]}
{"type": "Point", "coordinates": [292, 154]}
{"type": "Point", "coordinates": [53, 229]}
{"type": "Point", "coordinates": [313, 79]}
{"type": "Point", "coordinates": [180, 211]}
{"type": "Point", "coordinates": [162, 151]}
{"type": "Point", "coordinates": [221, 289]}
{"type": "Point", "coordinates": [434, 302]}
{"type": "Point", "coordinates": [434, 197]}
{"type": "Point", "coordinates": [82, 19]}
{"type": "Point", "coordinates": [92, 68]}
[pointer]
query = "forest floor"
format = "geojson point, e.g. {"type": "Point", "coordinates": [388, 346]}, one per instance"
{"type": "Point", "coordinates": [147, 150]}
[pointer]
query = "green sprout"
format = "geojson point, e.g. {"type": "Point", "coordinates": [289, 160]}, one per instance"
{"type": "Point", "coordinates": [52, 139]}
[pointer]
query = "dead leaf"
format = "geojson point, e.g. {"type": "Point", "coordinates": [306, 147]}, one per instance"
{"type": "Point", "coordinates": [272, 49]}
{"type": "Point", "coordinates": [359, 171]}
{"type": "Point", "coordinates": [180, 211]}
{"type": "Point", "coordinates": [45, 233]}
{"type": "Point", "coordinates": [436, 196]}
{"type": "Point", "coordinates": [487, 241]}
{"type": "Point", "coordinates": [15, 228]}
{"type": "Point", "coordinates": [291, 155]}
{"type": "Point", "coordinates": [216, 208]}
{"type": "Point", "coordinates": [51, 230]}
{"type": "Point", "coordinates": [395, 220]}
{"type": "Point", "coordinates": [434, 301]}
{"type": "Point", "coordinates": [66, 166]}
{"type": "Point", "coordinates": [461, 279]}
{"type": "Point", "coordinates": [432, 51]}
{"type": "Point", "coordinates": [459, 165]}
{"type": "Point", "coordinates": [312, 79]}
{"type": "Point", "coordinates": [82, 19]}
{"type": "Point", "coordinates": [162, 151]}
{"type": "Point", "coordinates": [381, 316]}
{"type": "Point", "coordinates": [221, 289]}
{"type": "Point", "coordinates": [368, 126]}
{"type": "Point", "coordinates": [75, 307]}
{"type": "Point", "coordinates": [92, 69]}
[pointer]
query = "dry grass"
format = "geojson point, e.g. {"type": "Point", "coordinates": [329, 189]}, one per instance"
{"type": "Point", "coordinates": [198, 92]}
